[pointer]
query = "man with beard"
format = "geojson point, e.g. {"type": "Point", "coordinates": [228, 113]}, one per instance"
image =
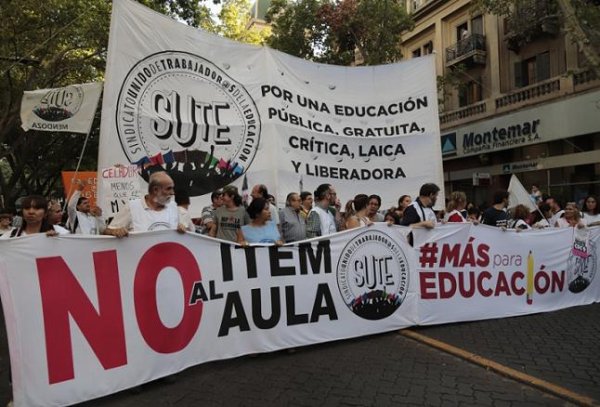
{"type": "Point", "coordinates": [420, 212]}
{"type": "Point", "coordinates": [321, 221]}
{"type": "Point", "coordinates": [155, 211]}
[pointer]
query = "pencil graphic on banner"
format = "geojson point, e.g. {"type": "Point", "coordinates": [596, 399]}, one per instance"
{"type": "Point", "coordinates": [530, 278]}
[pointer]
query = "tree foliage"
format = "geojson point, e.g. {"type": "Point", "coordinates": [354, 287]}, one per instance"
{"type": "Point", "coordinates": [56, 43]}
{"type": "Point", "coordinates": [339, 32]}
{"type": "Point", "coordinates": [234, 20]}
{"type": "Point", "coordinates": [192, 12]}
{"type": "Point", "coordinates": [580, 19]}
{"type": "Point", "coordinates": [44, 45]}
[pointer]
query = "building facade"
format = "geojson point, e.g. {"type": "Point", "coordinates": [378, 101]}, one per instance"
{"type": "Point", "coordinates": [511, 100]}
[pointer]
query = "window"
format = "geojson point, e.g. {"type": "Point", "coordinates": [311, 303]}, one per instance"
{"type": "Point", "coordinates": [428, 48]}
{"type": "Point", "coordinates": [462, 31]}
{"type": "Point", "coordinates": [416, 53]}
{"type": "Point", "coordinates": [469, 93]}
{"type": "Point", "coordinates": [477, 25]}
{"type": "Point", "coordinates": [532, 70]}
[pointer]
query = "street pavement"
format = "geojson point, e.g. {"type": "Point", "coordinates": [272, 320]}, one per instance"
{"type": "Point", "coordinates": [561, 347]}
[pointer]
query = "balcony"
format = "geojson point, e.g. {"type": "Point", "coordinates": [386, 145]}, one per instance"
{"type": "Point", "coordinates": [469, 51]}
{"type": "Point", "coordinates": [463, 113]}
{"type": "Point", "coordinates": [517, 99]}
{"type": "Point", "coordinates": [529, 93]}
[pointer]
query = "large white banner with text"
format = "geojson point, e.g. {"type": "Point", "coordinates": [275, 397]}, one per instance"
{"type": "Point", "coordinates": [213, 112]}
{"type": "Point", "coordinates": [467, 272]}
{"type": "Point", "coordinates": [91, 316]}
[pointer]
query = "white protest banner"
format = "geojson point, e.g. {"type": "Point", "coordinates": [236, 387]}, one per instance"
{"type": "Point", "coordinates": [120, 184]}
{"type": "Point", "coordinates": [213, 112]}
{"type": "Point", "coordinates": [89, 316]}
{"type": "Point", "coordinates": [467, 272]}
{"type": "Point", "coordinates": [70, 109]}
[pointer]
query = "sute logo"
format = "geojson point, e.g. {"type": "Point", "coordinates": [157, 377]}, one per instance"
{"type": "Point", "coordinates": [60, 104]}
{"type": "Point", "coordinates": [184, 124]}
{"type": "Point", "coordinates": [372, 275]}
{"type": "Point", "coordinates": [184, 113]}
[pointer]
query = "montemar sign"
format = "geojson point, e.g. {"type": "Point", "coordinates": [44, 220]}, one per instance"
{"type": "Point", "coordinates": [212, 112]}
{"type": "Point", "coordinates": [498, 138]}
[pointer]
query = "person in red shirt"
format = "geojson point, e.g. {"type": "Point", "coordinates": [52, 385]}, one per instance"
{"type": "Point", "coordinates": [456, 204]}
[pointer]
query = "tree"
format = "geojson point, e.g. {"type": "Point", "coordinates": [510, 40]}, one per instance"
{"type": "Point", "coordinates": [234, 23]}
{"type": "Point", "coordinates": [44, 45]}
{"type": "Point", "coordinates": [340, 32]}
{"type": "Point", "coordinates": [52, 44]}
{"type": "Point", "coordinates": [297, 28]}
{"type": "Point", "coordinates": [580, 18]}
{"type": "Point", "coordinates": [192, 12]}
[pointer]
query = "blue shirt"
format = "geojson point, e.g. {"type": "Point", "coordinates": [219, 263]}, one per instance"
{"type": "Point", "coordinates": [261, 234]}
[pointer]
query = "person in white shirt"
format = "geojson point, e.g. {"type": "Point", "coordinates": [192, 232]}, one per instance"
{"type": "Point", "coordinates": [591, 214]}
{"type": "Point", "coordinates": [182, 199]}
{"type": "Point", "coordinates": [35, 210]}
{"type": "Point", "coordinates": [83, 219]}
{"type": "Point", "coordinates": [556, 208]}
{"type": "Point", "coordinates": [321, 221]}
{"type": "Point", "coordinates": [155, 211]}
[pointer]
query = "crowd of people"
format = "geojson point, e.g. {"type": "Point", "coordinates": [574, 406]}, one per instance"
{"type": "Point", "coordinates": [305, 214]}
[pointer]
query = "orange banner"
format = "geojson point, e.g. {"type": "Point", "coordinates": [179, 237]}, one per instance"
{"type": "Point", "coordinates": [89, 180]}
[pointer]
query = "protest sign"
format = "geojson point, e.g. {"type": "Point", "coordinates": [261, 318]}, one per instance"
{"type": "Point", "coordinates": [89, 181]}
{"type": "Point", "coordinates": [213, 112]}
{"type": "Point", "coordinates": [120, 184]}
{"type": "Point", "coordinates": [89, 316]}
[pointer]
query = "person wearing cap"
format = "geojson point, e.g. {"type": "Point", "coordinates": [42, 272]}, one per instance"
{"type": "Point", "coordinates": [208, 212]}
{"type": "Point", "coordinates": [229, 218]}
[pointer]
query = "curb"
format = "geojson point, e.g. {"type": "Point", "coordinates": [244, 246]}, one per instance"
{"type": "Point", "coordinates": [503, 370]}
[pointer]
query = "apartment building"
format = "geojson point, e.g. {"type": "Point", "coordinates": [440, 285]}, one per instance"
{"type": "Point", "coordinates": [514, 102]}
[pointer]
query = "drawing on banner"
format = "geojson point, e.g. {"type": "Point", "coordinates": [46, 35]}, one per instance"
{"type": "Point", "coordinates": [582, 262]}
{"type": "Point", "coordinates": [372, 275]}
{"type": "Point", "coordinates": [59, 104]}
{"type": "Point", "coordinates": [181, 113]}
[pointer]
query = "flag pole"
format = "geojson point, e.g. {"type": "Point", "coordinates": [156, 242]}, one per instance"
{"type": "Point", "coordinates": [87, 136]}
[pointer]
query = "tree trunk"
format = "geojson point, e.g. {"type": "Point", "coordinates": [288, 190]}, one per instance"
{"type": "Point", "coordinates": [580, 36]}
